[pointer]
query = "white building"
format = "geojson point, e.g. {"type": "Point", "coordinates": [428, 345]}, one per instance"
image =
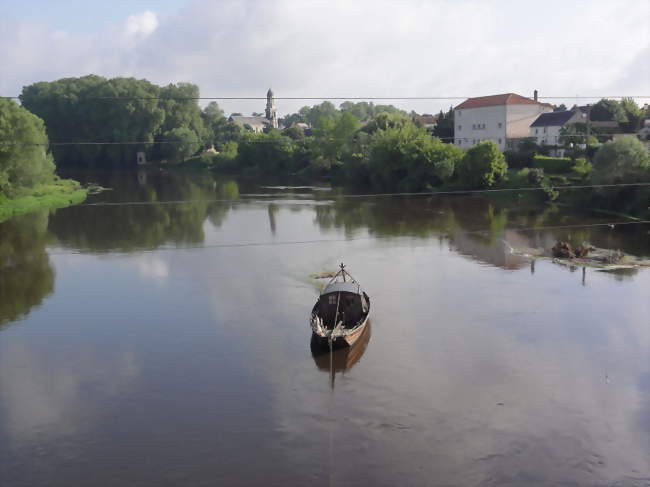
{"type": "Point", "coordinates": [499, 118]}
{"type": "Point", "coordinates": [546, 128]}
{"type": "Point", "coordinates": [258, 124]}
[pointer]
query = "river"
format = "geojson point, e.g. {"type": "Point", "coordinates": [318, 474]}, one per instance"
{"type": "Point", "coordinates": [167, 343]}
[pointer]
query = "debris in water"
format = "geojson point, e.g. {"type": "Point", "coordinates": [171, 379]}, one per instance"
{"type": "Point", "coordinates": [323, 275]}
{"type": "Point", "coordinates": [584, 255]}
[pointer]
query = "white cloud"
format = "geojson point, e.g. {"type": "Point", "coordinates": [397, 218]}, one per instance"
{"type": "Point", "coordinates": [364, 48]}
{"type": "Point", "coordinates": [141, 24]}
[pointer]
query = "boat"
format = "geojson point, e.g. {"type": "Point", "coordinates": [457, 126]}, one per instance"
{"type": "Point", "coordinates": [341, 312]}
{"type": "Point", "coordinates": [342, 359]}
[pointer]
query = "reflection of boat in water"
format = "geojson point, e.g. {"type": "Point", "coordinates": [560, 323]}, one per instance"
{"type": "Point", "coordinates": [343, 358]}
{"type": "Point", "coordinates": [341, 312]}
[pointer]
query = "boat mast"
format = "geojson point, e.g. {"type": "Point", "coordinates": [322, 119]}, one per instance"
{"type": "Point", "coordinates": [343, 271]}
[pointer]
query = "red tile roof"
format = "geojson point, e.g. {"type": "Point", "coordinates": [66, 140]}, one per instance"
{"type": "Point", "coordinates": [494, 100]}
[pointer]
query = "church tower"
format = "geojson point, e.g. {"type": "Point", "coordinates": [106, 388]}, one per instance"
{"type": "Point", "coordinates": [271, 114]}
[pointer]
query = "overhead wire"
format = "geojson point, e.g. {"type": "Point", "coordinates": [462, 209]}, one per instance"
{"type": "Point", "coordinates": [251, 141]}
{"type": "Point", "coordinates": [610, 224]}
{"type": "Point", "coordinates": [251, 197]}
{"type": "Point", "coordinates": [334, 98]}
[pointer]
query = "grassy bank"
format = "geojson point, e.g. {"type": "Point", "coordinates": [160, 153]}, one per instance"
{"type": "Point", "coordinates": [57, 194]}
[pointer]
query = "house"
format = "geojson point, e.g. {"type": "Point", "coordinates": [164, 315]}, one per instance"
{"type": "Point", "coordinates": [257, 123]}
{"type": "Point", "coordinates": [546, 128]}
{"type": "Point", "coordinates": [503, 119]}
{"type": "Point", "coordinates": [426, 120]}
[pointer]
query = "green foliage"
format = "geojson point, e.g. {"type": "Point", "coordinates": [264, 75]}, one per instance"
{"type": "Point", "coordinates": [269, 153]}
{"type": "Point", "coordinates": [24, 160]}
{"type": "Point", "coordinates": [58, 193]}
{"type": "Point", "coordinates": [86, 110]}
{"type": "Point", "coordinates": [557, 165]}
{"type": "Point", "coordinates": [407, 158]}
{"type": "Point", "coordinates": [366, 110]}
{"type": "Point", "coordinates": [385, 121]}
{"type": "Point", "coordinates": [482, 166]}
{"type": "Point", "coordinates": [444, 129]}
{"type": "Point", "coordinates": [182, 142]}
{"type": "Point", "coordinates": [294, 132]}
{"type": "Point", "coordinates": [535, 177]}
{"type": "Point", "coordinates": [607, 109]}
{"type": "Point", "coordinates": [26, 275]}
{"type": "Point", "coordinates": [624, 160]}
{"type": "Point", "coordinates": [226, 159]}
{"type": "Point", "coordinates": [214, 121]}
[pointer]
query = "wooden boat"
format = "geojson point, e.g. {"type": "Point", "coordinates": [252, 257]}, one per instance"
{"type": "Point", "coordinates": [341, 312]}
{"type": "Point", "coordinates": [341, 359]}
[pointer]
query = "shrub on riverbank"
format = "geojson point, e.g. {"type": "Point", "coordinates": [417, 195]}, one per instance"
{"type": "Point", "coordinates": [482, 166]}
{"type": "Point", "coordinates": [58, 193]}
{"type": "Point", "coordinates": [27, 179]}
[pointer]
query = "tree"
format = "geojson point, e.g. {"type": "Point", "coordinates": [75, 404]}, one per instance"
{"type": "Point", "coordinates": [444, 128]}
{"type": "Point", "coordinates": [214, 121]}
{"type": "Point", "coordinates": [560, 108]}
{"type": "Point", "coordinates": [179, 144]}
{"type": "Point", "coordinates": [385, 120]}
{"type": "Point", "coordinates": [269, 153]}
{"type": "Point", "coordinates": [407, 158]}
{"type": "Point", "coordinates": [624, 160]}
{"type": "Point", "coordinates": [482, 166]}
{"type": "Point", "coordinates": [333, 135]}
{"type": "Point", "coordinates": [607, 110]}
{"type": "Point", "coordinates": [24, 157]}
{"type": "Point", "coordinates": [294, 132]}
{"type": "Point", "coordinates": [633, 114]}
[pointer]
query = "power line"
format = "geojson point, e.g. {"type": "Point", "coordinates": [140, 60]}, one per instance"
{"type": "Point", "coordinates": [258, 141]}
{"type": "Point", "coordinates": [334, 98]}
{"type": "Point", "coordinates": [351, 239]}
{"type": "Point", "coordinates": [251, 198]}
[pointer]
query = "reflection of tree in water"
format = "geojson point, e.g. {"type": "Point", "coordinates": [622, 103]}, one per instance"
{"type": "Point", "coordinates": [477, 226]}
{"type": "Point", "coordinates": [26, 276]}
{"type": "Point", "coordinates": [130, 227]}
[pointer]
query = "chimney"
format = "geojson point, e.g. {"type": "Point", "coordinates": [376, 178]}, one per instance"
{"type": "Point", "coordinates": [535, 95]}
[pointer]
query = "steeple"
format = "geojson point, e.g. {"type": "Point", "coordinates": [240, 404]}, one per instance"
{"type": "Point", "coordinates": [271, 114]}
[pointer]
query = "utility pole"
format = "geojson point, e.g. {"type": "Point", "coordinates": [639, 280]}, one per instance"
{"type": "Point", "coordinates": [588, 131]}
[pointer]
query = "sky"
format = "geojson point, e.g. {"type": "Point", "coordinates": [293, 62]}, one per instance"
{"type": "Point", "coordinates": [336, 48]}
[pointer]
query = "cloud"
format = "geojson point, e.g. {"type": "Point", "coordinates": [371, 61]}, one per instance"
{"type": "Point", "coordinates": [339, 48]}
{"type": "Point", "coordinates": [141, 24]}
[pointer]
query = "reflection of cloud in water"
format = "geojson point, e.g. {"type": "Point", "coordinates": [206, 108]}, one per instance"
{"type": "Point", "coordinates": [151, 267]}
{"type": "Point", "coordinates": [39, 398]}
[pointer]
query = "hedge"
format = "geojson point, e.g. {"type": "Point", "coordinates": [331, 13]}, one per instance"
{"type": "Point", "coordinates": [556, 165]}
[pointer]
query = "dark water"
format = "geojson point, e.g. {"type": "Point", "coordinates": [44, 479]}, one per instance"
{"type": "Point", "coordinates": [152, 345]}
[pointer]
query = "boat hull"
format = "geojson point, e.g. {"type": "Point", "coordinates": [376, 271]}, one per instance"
{"type": "Point", "coordinates": [347, 340]}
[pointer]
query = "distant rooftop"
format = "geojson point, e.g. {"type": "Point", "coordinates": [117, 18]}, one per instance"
{"type": "Point", "coordinates": [553, 119]}
{"type": "Point", "coordinates": [495, 100]}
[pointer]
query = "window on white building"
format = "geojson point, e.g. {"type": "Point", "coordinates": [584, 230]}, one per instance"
{"type": "Point", "coordinates": [499, 139]}
{"type": "Point", "coordinates": [460, 127]}
{"type": "Point", "coordinates": [500, 125]}
{"type": "Point", "coordinates": [544, 129]}
{"type": "Point", "coordinates": [458, 112]}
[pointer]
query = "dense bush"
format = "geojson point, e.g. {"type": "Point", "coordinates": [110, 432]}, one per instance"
{"type": "Point", "coordinates": [407, 158]}
{"type": "Point", "coordinates": [624, 160]}
{"type": "Point", "coordinates": [558, 165]}
{"type": "Point", "coordinates": [482, 166]}
{"type": "Point", "coordinates": [24, 157]}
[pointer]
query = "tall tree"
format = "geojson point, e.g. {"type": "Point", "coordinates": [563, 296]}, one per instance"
{"type": "Point", "coordinates": [24, 157]}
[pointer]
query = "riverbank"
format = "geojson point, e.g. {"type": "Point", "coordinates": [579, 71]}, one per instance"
{"type": "Point", "coordinates": [57, 194]}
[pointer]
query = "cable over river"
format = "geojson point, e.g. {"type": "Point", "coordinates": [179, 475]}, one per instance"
{"type": "Point", "coordinates": [169, 344]}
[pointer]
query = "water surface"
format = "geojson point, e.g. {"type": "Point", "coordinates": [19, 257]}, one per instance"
{"type": "Point", "coordinates": [168, 344]}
